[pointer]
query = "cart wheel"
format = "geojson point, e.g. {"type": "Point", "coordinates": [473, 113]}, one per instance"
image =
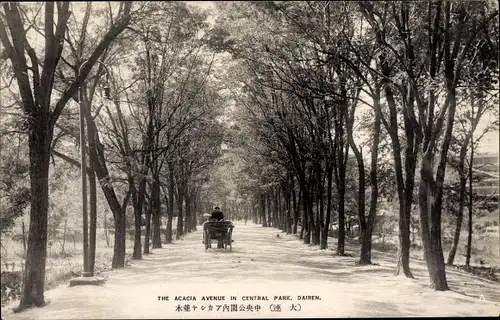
{"type": "Point", "coordinates": [206, 239]}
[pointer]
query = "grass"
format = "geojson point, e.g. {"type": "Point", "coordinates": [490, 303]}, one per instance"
{"type": "Point", "coordinates": [60, 266]}
{"type": "Point", "coordinates": [489, 273]}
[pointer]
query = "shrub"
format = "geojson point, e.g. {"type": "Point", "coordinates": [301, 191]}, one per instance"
{"type": "Point", "coordinates": [333, 233]}
{"type": "Point", "coordinates": [60, 254]}
{"type": "Point", "coordinates": [415, 246]}
{"type": "Point", "coordinates": [11, 285]}
{"type": "Point", "coordinates": [385, 247]}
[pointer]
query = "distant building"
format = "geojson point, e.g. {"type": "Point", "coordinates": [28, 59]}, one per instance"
{"type": "Point", "coordinates": [486, 175]}
{"type": "Point", "coordinates": [486, 162]}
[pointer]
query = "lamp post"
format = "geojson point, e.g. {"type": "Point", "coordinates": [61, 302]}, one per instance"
{"type": "Point", "coordinates": [83, 168]}
{"type": "Point", "coordinates": [83, 158]}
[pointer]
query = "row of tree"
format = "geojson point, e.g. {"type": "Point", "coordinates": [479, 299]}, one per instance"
{"type": "Point", "coordinates": [332, 91]}
{"type": "Point", "coordinates": [141, 74]}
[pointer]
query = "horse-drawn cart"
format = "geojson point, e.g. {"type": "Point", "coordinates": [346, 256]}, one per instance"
{"type": "Point", "coordinates": [221, 231]}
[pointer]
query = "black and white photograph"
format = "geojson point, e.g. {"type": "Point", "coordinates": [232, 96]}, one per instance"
{"type": "Point", "coordinates": [249, 159]}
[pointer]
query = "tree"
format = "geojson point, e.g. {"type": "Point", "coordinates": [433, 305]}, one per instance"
{"type": "Point", "coordinates": [170, 59]}
{"type": "Point", "coordinates": [480, 85]}
{"type": "Point", "coordinates": [36, 91]}
{"type": "Point", "coordinates": [14, 168]}
{"type": "Point", "coordinates": [429, 119]}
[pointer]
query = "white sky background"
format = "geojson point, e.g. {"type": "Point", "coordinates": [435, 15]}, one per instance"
{"type": "Point", "coordinates": [489, 143]}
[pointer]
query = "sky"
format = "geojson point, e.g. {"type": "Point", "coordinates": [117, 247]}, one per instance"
{"type": "Point", "coordinates": [490, 143]}
{"type": "Point", "coordinates": [202, 4]}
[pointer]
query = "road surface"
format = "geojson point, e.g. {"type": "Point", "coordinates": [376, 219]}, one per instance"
{"type": "Point", "coordinates": [296, 279]}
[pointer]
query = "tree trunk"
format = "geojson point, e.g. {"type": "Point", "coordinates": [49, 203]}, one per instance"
{"type": "Point", "coordinates": [96, 151]}
{"type": "Point", "coordinates": [296, 209]}
{"type": "Point", "coordinates": [412, 149]}
{"type": "Point", "coordinates": [361, 180]}
{"type": "Point", "coordinates": [281, 211]}
{"type": "Point", "coordinates": [287, 205]}
{"type": "Point", "coordinates": [106, 234]}
{"type": "Point", "coordinates": [469, 236]}
{"type": "Point", "coordinates": [431, 199]}
{"type": "Point", "coordinates": [24, 239]}
{"type": "Point", "coordinates": [180, 216]}
{"type": "Point", "coordinates": [404, 226]}
{"type": "Point", "coordinates": [312, 220]}
{"type": "Point", "coordinates": [405, 244]}
{"type": "Point", "coordinates": [460, 215]}
{"type": "Point", "coordinates": [137, 200]}
{"type": "Point", "coordinates": [429, 237]}
{"type": "Point", "coordinates": [341, 210]}
{"type": "Point", "coordinates": [392, 129]}
{"type": "Point", "coordinates": [120, 237]}
{"type": "Point", "coordinates": [274, 208]}
{"type": "Point", "coordinates": [34, 278]}
{"type": "Point", "coordinates": [288, 212]}
{"type": "Point", "coordinates": [289, 217]}
{"type": "Point", "coordinates": [320, 222]}
{"type": "Point", "coordinates": [84, 189]}
{"type": "Point", "coordinates": [340, 166]}
{"type": "Point", "coordinates": [147, 233]}
{"type": "Point", "coordinates": [307, 209]}
{"type": "Point", "coordinates": [366, 233]}
{"type": "Point", "coordinates": [320, 207]}
{"type": "Point", "coordinates": [92, 193]}
{"type": "Point", "coordinates": [269, 212]}
{"type": "Point", "coordinates": [64, 235]}
{"type": "Point", "coordinates": [194, 220]}
{"type": "Point", "coordinates": [463, 182]}
{"type": "Point", "coordinates": [187, 226]}
{"type": "Point", "coordinates": [340, 171]}
{"type": "Point", "coordinates": [156, 203]}
{"type": "Point", "coordinates": [302, 229]}
{"type": "Point", "coordinates": [431, 242]}
{"type": "Point", "coordinates": [93, 219]}
{"type": "Point", "coordinates": [170, 213]}
{"type": "Point", "coordinates": [138, 197]}
{"type": "Point", "coordinates": [156, 230]}
{"type": "Point", "coordinates": [276, 211]}
{"type": "Point", "coordinates": [263, 210]}
{"type": "Point", "coordinates": [168, 230]}
{"type": "Point", "coordinates": [326, 226]}
{"type": "Point", "coordinates": [255, 213]}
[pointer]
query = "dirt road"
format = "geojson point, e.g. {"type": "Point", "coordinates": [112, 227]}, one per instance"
{"type": "Point", "coordinates": [297, 280]}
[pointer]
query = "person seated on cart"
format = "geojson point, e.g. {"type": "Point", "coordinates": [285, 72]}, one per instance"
{"type": "Point", "coordinates": [217, 214]}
